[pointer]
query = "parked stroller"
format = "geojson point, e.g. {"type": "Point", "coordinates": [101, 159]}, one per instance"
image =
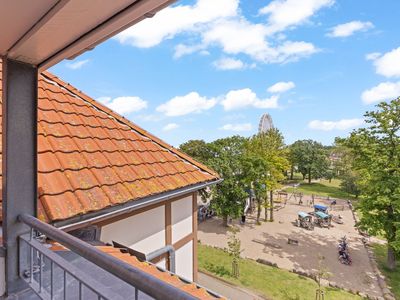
{"type": "Point", "coordinates": [343, 249]}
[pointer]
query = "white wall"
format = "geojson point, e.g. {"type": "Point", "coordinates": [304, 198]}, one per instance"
{"type": "Point", "coordinates": [181, 220]}
{"type": "Point", "coordinates": [144, 232]}
{"type": "Point", "coordinates": [184, 261]}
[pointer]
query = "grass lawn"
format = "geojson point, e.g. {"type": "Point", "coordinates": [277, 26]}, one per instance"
{"type": "Point", "coordinates": [323, 188]}
{"type": "Point", "coordinates": [392, 277]}
{"type": "Point", "coordinates": [271, 282]}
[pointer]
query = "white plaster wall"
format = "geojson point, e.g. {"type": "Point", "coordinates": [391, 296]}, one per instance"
{"type": "Point", "coordinates": [144, 232]}
{"type": "Point", "coordinates": [184, 261]}
{"type": "Point", "coordinates": [181, 218]}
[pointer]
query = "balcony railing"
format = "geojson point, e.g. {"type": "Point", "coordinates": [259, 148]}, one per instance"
{"type": "Point", "coordinates": [51, 276]}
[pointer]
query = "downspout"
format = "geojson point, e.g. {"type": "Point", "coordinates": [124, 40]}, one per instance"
{"type": "Point", "coordinates": [157, 253]}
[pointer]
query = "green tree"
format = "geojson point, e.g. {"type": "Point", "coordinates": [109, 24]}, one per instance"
{"type": "Point", "coordinates": [376, 151]}
{"type": "Point", "coordinates": [266, 159]}
{"type": "Point", "coordinates": [197, 149]}
{"type": "Point", "coordinates": [342, 166]}
{"type": "Point", "coordinates": [234, 250]}
{"type": "Point", "coordinates": [310, 158]}
{"type": "Point", "coordinates": [228, 197]}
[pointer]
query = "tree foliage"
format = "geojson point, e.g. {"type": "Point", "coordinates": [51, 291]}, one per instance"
{"type": "Point", "coordinates": [265, 162]}
{"type": "Point", "coordinates": [376, 151]}
{"type": "Point", "coordinates": [198, 149]}
{"type": "Point", "coordinates": [343, 169]}
{"type": "Point", "coordinates": [258, 162]}
{"type": "Point", "coordinates": [310, 157]}
{"type": "Point", "coordinates": [229, 196]}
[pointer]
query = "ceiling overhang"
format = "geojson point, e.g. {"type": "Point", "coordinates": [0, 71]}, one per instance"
{"type": "Point", "coordinates": [44, 32]}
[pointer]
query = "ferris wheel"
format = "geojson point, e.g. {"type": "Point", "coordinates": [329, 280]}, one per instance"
{"type": "Point", "coordinates": [265, 123]}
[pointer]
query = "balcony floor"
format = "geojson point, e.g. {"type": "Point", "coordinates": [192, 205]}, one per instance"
{"type": "Point", "coordinates": [104, 278]}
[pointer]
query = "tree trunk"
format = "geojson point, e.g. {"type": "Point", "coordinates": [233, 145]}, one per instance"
{"type": "Point", "coordinates": [309, 175]}
{"type": "Point", "coordinates": [266, 209]}
{"type": "Point", "coordinates": [225, 220]}
{"type": "Point", "coordinates": [271, 208]}
{"type": "Point", "coordinates": [304, 176]}
{"type": "Point", "coordinates": [291, 172]}
{"type": "Point", "coordinates": [391, 258]}
{"type": "Point", "coordinates": [258, 210]}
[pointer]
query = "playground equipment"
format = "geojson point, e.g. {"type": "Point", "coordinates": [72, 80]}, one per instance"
{"type": "Point", "coordinates": [304, 220]}
{"type": "Point", "coordinates": [321, 208]}
{"type": "Point", "coordinates": [337, 219]}
{"type": "Point", "coordinates": [282, 195]}
{"type": "Point", "coordinates": [322, 219]}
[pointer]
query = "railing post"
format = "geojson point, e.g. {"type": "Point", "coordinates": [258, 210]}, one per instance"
{"type": "Point", "coordinates": [19, 150]}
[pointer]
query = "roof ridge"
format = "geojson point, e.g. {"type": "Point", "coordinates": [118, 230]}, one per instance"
{"type": "Point", "coordinates": [127, 122]}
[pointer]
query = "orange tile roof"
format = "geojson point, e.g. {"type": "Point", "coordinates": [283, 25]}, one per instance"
{"type": "Point", "coordinates": [174, 280]}
{"type": "Point", "coordinates": [90, 158]}
{"type": "Point", "coordinates": [170, 278]}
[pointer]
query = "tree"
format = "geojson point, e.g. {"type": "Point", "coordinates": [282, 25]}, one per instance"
{"type": "Point", "coordinates": [267, 158]}
{"type": "Point", "coordinates": [342, 166]}
{"type": "Point", "coordinates": [310, 158]}
{"type": "Point", "coordinates": [228, 197]}
{"type": "Point", "coordinates": [255, 169]}
{"type": "Point", "coordinates": [376, 151]}
{"type": "Point", "coordinates": [197, 149]}
{"type": "Point", "coordinates": [234, 250]}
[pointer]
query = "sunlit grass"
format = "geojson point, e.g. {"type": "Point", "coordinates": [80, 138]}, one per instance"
{"type": "Point", "coordinates": [271, 282]}
{"type": "Point", "coordinates": [392, 277]}
{"type": "Point", "coordinates": [322, 188]}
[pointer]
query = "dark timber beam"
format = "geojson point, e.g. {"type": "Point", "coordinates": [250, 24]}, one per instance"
{"type": "Point", "coordinates": [19, 159]}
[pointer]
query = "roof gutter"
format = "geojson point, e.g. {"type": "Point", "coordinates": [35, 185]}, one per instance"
{"type": "Point", "coordinates": [107, 213]}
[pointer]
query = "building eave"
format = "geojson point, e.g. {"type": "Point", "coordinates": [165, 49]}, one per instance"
{"type": "Point", "coordinates": [128, 207]}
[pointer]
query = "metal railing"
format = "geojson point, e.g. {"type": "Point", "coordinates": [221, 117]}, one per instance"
{"type": "Point", "coordinates": [43, 268]}
{"type": "Point", "coordinates": [42, 278]}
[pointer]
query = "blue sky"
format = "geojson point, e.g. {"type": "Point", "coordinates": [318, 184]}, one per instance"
{"type": "Point", "coordinates": [205, 69]}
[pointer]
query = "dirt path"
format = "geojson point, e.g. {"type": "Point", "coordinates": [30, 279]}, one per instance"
{"type": "Point", "coordinates": [269, 241]}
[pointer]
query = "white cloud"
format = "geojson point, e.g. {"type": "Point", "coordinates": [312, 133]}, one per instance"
{"type": "Point", "coordinates": [177, 19]}
{"type": "Point", "coordinates": [388, 64]}
{"type": "Point", "coordinates": [77, 64]}
{"type": "Point", "coordinates": [124, 105]}
{"type": "Point", "coordinates": [231, 64]}
{"type": "Point", "coordinates": [170, 126]}
{"type": "Point", "coordinates": [373, 55]}
{"type": "Point", "coordinates": [241, 36]}
{"type": "Point", "coordinates": [281, 87]}
{"type": "Point", "coordinates": [237, 99]}
{"type": "Point", "coordinates": [284, 14]}
{"type": "Point", "coordinates": [335, 125]}
{"type": "Point", "coordinates": [382, 92]}
{"type": "Point", "coordinates": [221, 24]}
{"type": "Point", "coordinates": [237, 127]}
{"type": "Point", "coordinates": [348, 29]}
{"type": "Point", "coordinates": [182, 50]}
{"type": "Point", "coordinates": [183, 105]}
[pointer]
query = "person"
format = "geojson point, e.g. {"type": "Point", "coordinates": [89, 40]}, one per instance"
{"type": "Point", "coordinates": [333, 203]}
{"type": "Point", "coordinates": [243, 221]}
